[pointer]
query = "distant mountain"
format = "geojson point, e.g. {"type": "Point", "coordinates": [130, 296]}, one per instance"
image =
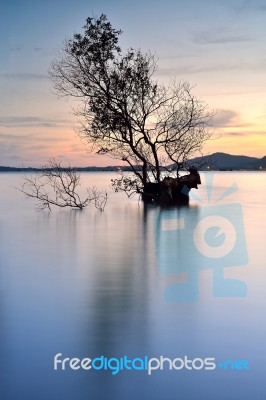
{"type": "Point", "coordinates": [223, 161]}
{"type": "Point", "coordinates": [259, 164]}
{"type": "Point", "coordinates": [216, 161]}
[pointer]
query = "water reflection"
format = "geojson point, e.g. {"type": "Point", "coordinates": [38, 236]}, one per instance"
{"type": "Point", "coordinates": [87, 284]}
{"type": "Point", "coordinates": [119, 298]}
{"type": "Point", "coordinates": [176, 250]}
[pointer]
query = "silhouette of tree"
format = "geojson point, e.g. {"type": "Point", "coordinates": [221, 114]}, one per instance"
{"type": "Point", "coordinates": [56, 185]}
{"type": "Point", "coordinates": [125, 112]}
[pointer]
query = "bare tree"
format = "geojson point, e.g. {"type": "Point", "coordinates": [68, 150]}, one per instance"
{"type": "Point", "coordinates": [57, 186]}
{"type": "Point", "coordinates": [125, 113]}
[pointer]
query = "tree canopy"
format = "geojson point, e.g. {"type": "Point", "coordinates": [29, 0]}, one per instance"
{"type": "Point", "coordinates": [125, 112]}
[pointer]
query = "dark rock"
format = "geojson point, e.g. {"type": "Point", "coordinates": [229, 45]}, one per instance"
{"type": "Point", "coordinates": [172, 191]}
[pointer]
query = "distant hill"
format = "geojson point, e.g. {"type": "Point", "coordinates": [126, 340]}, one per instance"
{"type": "Point", "coordinates": [17, 169]}
{"type": "Point", "coordinates": [223, 161]}
{"type": "Point", "coordinates": [216, 161]}
{"type": "Point", "coordinates": [80, 169]}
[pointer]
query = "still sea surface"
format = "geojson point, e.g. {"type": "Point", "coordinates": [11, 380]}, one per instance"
{"type": "Point", "coordinates": [135, 281]}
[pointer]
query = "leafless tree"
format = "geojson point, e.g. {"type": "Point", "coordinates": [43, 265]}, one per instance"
{"type": "Point", "coordinates": [55, 185]}
{"type": "Point", "coordinates": [124, 112]}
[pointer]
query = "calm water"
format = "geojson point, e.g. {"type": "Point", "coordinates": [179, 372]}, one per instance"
{"type": "Point", "coordinates": [87, 284]}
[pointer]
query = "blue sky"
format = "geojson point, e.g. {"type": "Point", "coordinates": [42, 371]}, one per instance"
{"type": "Point", "coordinates": [219, 46]}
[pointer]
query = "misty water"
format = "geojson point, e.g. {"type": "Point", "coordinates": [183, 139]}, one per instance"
{"type": "Point", "coordinates": [87, 284]}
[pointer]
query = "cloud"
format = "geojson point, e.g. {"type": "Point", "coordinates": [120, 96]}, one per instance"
{"type": "Point", "coordinates": [196, 67]}
{"type": "Point", "coordinates": [77, 148]}
{"type": "Point", "coordinates": [30, 148]}
{"type": "Point", "coordinates": [4, 136]}
{"type": "Point", "coordinates": [251, 5]}
{"type": "Point", "coordinates": [225, 118]}
{"type": "Point", "coordinates": [14, 122]}
{"type": "Point", "coordinates": [17, 138]}
{"type": "Point", "coordinates": [38, 147]}
{"type": "Point", "coordinates": [24, 76]}
{"type": "Point", "coordinates": [210, 37]}
{"type": "Point", "coordinates": [19, 48]}
{"type": "Point", "coordinates": [9, 151]}
{"type": "Point", "coordinates": [248, 134]}
{"type": "Point", "coordinates": [236, 134]}
{"type": "Point", "coordinates": [15, 48]}
{"type": "Point", "coordinates": [228, 118]}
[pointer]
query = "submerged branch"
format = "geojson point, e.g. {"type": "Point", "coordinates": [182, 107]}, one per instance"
{"type": "Point", "coordinates": [57, 186]}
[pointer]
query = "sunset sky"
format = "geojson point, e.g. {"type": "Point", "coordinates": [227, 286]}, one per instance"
{"type": "Point", "coordinates": [220, 46]}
